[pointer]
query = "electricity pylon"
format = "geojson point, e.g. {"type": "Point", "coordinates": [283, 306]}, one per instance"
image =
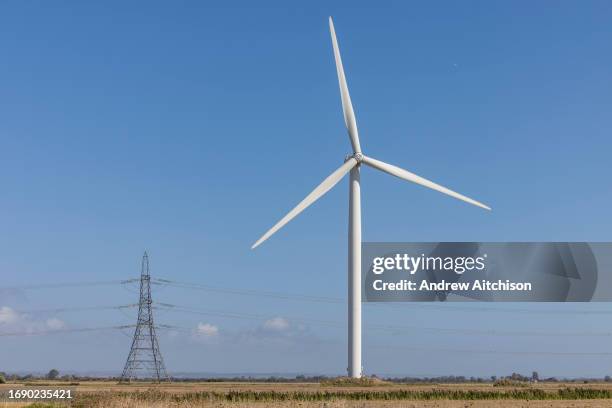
{"type": "Point", "coordinates": [145, 356]}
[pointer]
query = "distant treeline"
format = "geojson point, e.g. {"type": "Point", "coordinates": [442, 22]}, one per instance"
{"type": "Point", "coordinates": [447, 379]}
{"type": "Point", "coordinates": [514, 378]}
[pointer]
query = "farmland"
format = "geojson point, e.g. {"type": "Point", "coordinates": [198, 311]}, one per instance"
{"type": "Point", "coordinates": [98, 394]}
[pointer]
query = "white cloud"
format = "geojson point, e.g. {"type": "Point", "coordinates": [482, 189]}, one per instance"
{"type": "Point", "coordinates": [13, 321]}
{"type": "Point", "coordinates": [55, 324]}
{"type": "Point", "coordinates": [207, 330]}
{"type": "Point", "coordinates": [8, 315]}
{"type": "Point", "coordinates": [277, 324]}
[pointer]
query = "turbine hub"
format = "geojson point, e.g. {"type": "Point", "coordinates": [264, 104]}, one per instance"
{"type": "Point", "coordinates": [357, 156]}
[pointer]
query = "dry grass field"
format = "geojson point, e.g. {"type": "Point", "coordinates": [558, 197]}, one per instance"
{"type": "Point", "coordinates": [107, 394]}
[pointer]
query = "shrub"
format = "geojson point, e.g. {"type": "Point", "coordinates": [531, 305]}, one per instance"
{"type": "Point", "coordinates": [507, 382]}
{"type": "Point", "coordinates": [53, 374]}
{"type": "Point", "coordinates": [353, 382]}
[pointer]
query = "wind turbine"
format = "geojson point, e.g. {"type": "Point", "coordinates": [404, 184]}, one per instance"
{"type": "Point", "coordinates": [352, 164]}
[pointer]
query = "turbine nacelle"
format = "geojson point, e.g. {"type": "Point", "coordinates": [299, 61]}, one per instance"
{"type": "Point", "coordinates": [357, 156]}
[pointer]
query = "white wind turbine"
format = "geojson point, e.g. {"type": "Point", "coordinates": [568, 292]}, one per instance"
{"type": "Point", "coordinates": [352, 165]}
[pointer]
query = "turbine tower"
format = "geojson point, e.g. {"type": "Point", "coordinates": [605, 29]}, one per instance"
{"type": "Point", "coordinates": [145, 356]}
{"type": "Point", "coordinates": [353, 164]}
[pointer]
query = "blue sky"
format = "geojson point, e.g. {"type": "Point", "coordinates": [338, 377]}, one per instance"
{"type": "Point", "coordinates": [187, 129]}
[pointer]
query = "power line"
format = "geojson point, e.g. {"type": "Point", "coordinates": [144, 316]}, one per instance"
{"type": "Point", "coordinates": [64, 285]}
{"type": "Point", "coordinates": [497, 352]}
{"type": "Point", "coordinates": [446, 350]}
{"type": "Point", "coordinates": [337, 300]}
{"type": "Point", "coordinates": [383, 327]}
{"type": "Point", "coordinates": [386, 347]}
{"type": "Point", "coordinates": [235, 315]}
{"type": "Point", "coordinates": [446, 307]}
{"type": "Point", "coordinates": [404, 348]}
{"type": "Point", "coordinates": [456, 306]}
{"type": "Point", "coordinates": [336, 324]}
{"type": "Point", "coordinates": [73, 309]}
{"type": "Point", "coordinates": [60, 331]}
{"type": "Point", "coordinates": [248, 292]}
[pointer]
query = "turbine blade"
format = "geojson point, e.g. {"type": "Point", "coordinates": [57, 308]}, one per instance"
{"type": "Point", "coordinates": [406, 175]}
{"type": "Point", "coordinates": [317, 193]}
{"type": "Point", "coordinates": [347, 106]}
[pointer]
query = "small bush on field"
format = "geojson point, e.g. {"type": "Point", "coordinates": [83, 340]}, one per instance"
{"type": "Point", "coordinates": [2, 379]}
{"type": "Point", "coordinates": [506, 382]}
{"type": "Point", "coordinates": [353, 382]}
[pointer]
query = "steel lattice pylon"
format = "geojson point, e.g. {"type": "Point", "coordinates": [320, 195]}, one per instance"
{"type": "Point", "coordinates": [145, 356]}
